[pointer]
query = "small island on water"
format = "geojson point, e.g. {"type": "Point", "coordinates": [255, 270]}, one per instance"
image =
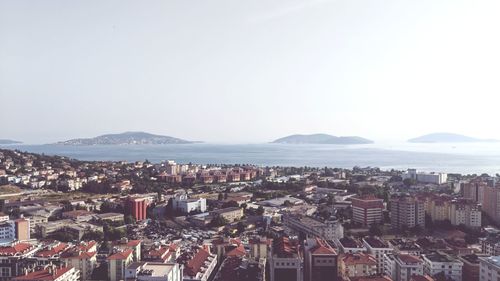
{"type": "Point", "coordinates": [322, 139]}
{"type": "Point", "coordinates": [447, 138]}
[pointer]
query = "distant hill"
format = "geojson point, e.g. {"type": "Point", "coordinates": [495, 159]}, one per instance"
{"type": "Point", "coordinates": [447, 137]}
{"type": "Point", "coordinates": [322, 139]}
{"type": "Point", "coordinates": [126, 138]}
{"type": "Point", "coordinates": [5, 141]}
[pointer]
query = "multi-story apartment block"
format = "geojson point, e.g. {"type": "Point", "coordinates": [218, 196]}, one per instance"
{"type": "Point", "coordinates": [377, 248]}
{"type": "Point", "coordinates": [402, 267]}
{"type": "Point", "coordinates": [407, 212]}
{"type": "Point", "coordinates": [367, 210]}
{"type": "Point", "coordinates": [51, 273]}
{"type": "Point", "coordinates": [349, 245]}
{"type": "Point", "coordinates": [465, 212]}
{"type": "Point", "coordinates": [489, 268]}
{"type": "Point", "coordinates": [286, 260]}
{"type": "Point", "coordinates": [117, 263]}
{"type": "Point", "coordinates": [200, 265]}
{"type": "Point", "coordinates": [470, 270]}
{"type": "Point", "coordinates": [309, 227]}
{"type": "Point", "coordinates": [491, 202]}
{"type": "Point", "coordinates": [435, 263]}
{"type": "Point", "coordinates": [356, 265]}
{"type": "Point", "coordinates": [473, 190]}
{"type": "Point", "coordinates": [320, 261]}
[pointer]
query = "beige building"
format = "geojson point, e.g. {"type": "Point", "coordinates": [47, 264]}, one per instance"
{"type": "Point", "coordinates": [230, 214]}
{"type": "Point", "coordinates": [356, 265]}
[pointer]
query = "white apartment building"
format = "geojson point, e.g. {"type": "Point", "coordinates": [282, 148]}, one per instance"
{"type": "Point", "coordinates": [465, 212]}
{"type": "Point", "coordinates": [377, 248]}
{"type": "Point", "coordinates": [489, 268]}
{"type": "Point", "coordinates": [422, 177]}
{"type": "Point", "coordinates": [402, 267]}
{"type": "Point", "coordinates": [182, 203]}
{"type": "Point", "coordinates": [436, 262]}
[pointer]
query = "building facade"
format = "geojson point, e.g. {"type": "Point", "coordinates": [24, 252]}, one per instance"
{"type": "Point", "coordinates": [367, 210]}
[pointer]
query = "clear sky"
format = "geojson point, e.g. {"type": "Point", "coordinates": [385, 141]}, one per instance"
{"type": "Point", "coordinates": [248, 71]}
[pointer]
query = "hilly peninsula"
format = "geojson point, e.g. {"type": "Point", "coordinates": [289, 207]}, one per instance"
{"type": "Point", "coordinates": [127, 138]}
{"type": "Point", "coordinates": [447, 138]}
{"type": "Point", "coordinates": [321, 139]}
{"type": "Point", "coordinates": [6, 141]}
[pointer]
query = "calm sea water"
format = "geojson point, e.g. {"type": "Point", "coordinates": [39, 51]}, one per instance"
{"type": "Point", "coordinates": [451, 158]}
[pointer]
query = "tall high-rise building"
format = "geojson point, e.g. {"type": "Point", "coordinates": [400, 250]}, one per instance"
{"type": "Point", "coordinates": [320, 261]}
{"type": "Point", "coordinates": [491, 202]}
{"type": "Point", "coordinates": [466, 212]}
{"type": "Point", "coordinates": [407, 212]}
{"type": "Point", "coordinates": [367, 210]}
{"type": "Point", "coordinates": [137, 207]}
{"type": "Point", "coordinates": [473, 190]}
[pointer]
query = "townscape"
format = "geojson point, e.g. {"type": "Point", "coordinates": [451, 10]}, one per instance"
{"type": "Point", "coordinates": [64, 219]}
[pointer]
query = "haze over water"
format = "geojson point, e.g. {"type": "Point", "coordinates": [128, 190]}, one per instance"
{"type": "Point", "coordinates": [446, 157]}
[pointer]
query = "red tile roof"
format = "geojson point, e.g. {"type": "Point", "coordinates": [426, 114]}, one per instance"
{"type": "Point", "coordinates": [322, 248]}
{"type": "Point", "coordinates": [194, 265]}
{"type": "Point", "coordinates": [44, 275]}
{"type": "Point", "coordinates": [359, 258]}
{"type": "Point", "coordinates": [237, 252]}
{"type": "Point", "coordinates": [121, 255]}
{"type": "Point", "coordinates": [52, 250]}
{"type": "Point", "coordinates": [18, 248]}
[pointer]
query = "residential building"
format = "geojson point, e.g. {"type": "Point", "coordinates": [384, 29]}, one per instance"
{"type": "Point", "coordinates": [407, 212]}
{"type": "Point", "coordinates": [259, 247]}
{"type": "Point", "coordinates": [435, 263]}
{"type": "Point", "coordinates": [126, 244]}
{"type": "Point", "coordinates": [13, 257]}
{"type": "Point", "coordinates": [349, 245]}
{"type": "Point", "coordinates": [474, 190]}
{"type": "Point", "coordinates": [491, 202]}
{"type": "Point", "coordinates": [286, 260]}
{"type": "Point", "coordinates": [466, 212]}
{"type": "Point", "coordinates": [309, 227]}
{"type": "Point", "coordinates": [51, 273]}
{"type": "Point", "coordinates": [377, 248]}
{"type": "Point", "coordinates": [356, 265]}
{"type": "Point", "coordinates": [470, 270]}
{"type": "Point", "coordinates": [489, 268]}
{"type": "Point", "coordinates": [200, 265]}
{"type": "Point", "coordinates": [402, 267]}
{"type": "Point", "coordinates": [320, 261]}
{"type": "Point", "coordinates": [117, 263]}
{"type": "Point", "coordinates": [182, 203]}
{"type": "Point", "coordinates": [82, 257]}
{"type": "Point", "coordinates": [154, 271]}
{"type": "Point", "coordinates": [367, 210]}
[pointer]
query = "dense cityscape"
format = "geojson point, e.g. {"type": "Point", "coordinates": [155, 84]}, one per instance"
{"type": "Point", "coordinates": [64, 219]}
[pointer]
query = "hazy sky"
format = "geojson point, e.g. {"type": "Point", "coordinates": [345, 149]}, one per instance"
{"type": "Point", "coordinates": [248, 71]}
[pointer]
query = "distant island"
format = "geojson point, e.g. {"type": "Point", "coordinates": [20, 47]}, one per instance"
{"type": "Point", "coordinates": [126, 138]}
{"type": "Point", "coordinates": [322, 139]}
{"type": "Point", "coordinates": [447, 137]}
{"type": "Point", "coordinates": [6, 141]}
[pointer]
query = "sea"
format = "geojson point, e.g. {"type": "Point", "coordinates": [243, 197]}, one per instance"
{"type": "Point", "coordinates": [463, 158]}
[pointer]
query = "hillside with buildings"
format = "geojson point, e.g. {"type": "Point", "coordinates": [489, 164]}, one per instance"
{"type": "Point", "coordinates": [127, 138]}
